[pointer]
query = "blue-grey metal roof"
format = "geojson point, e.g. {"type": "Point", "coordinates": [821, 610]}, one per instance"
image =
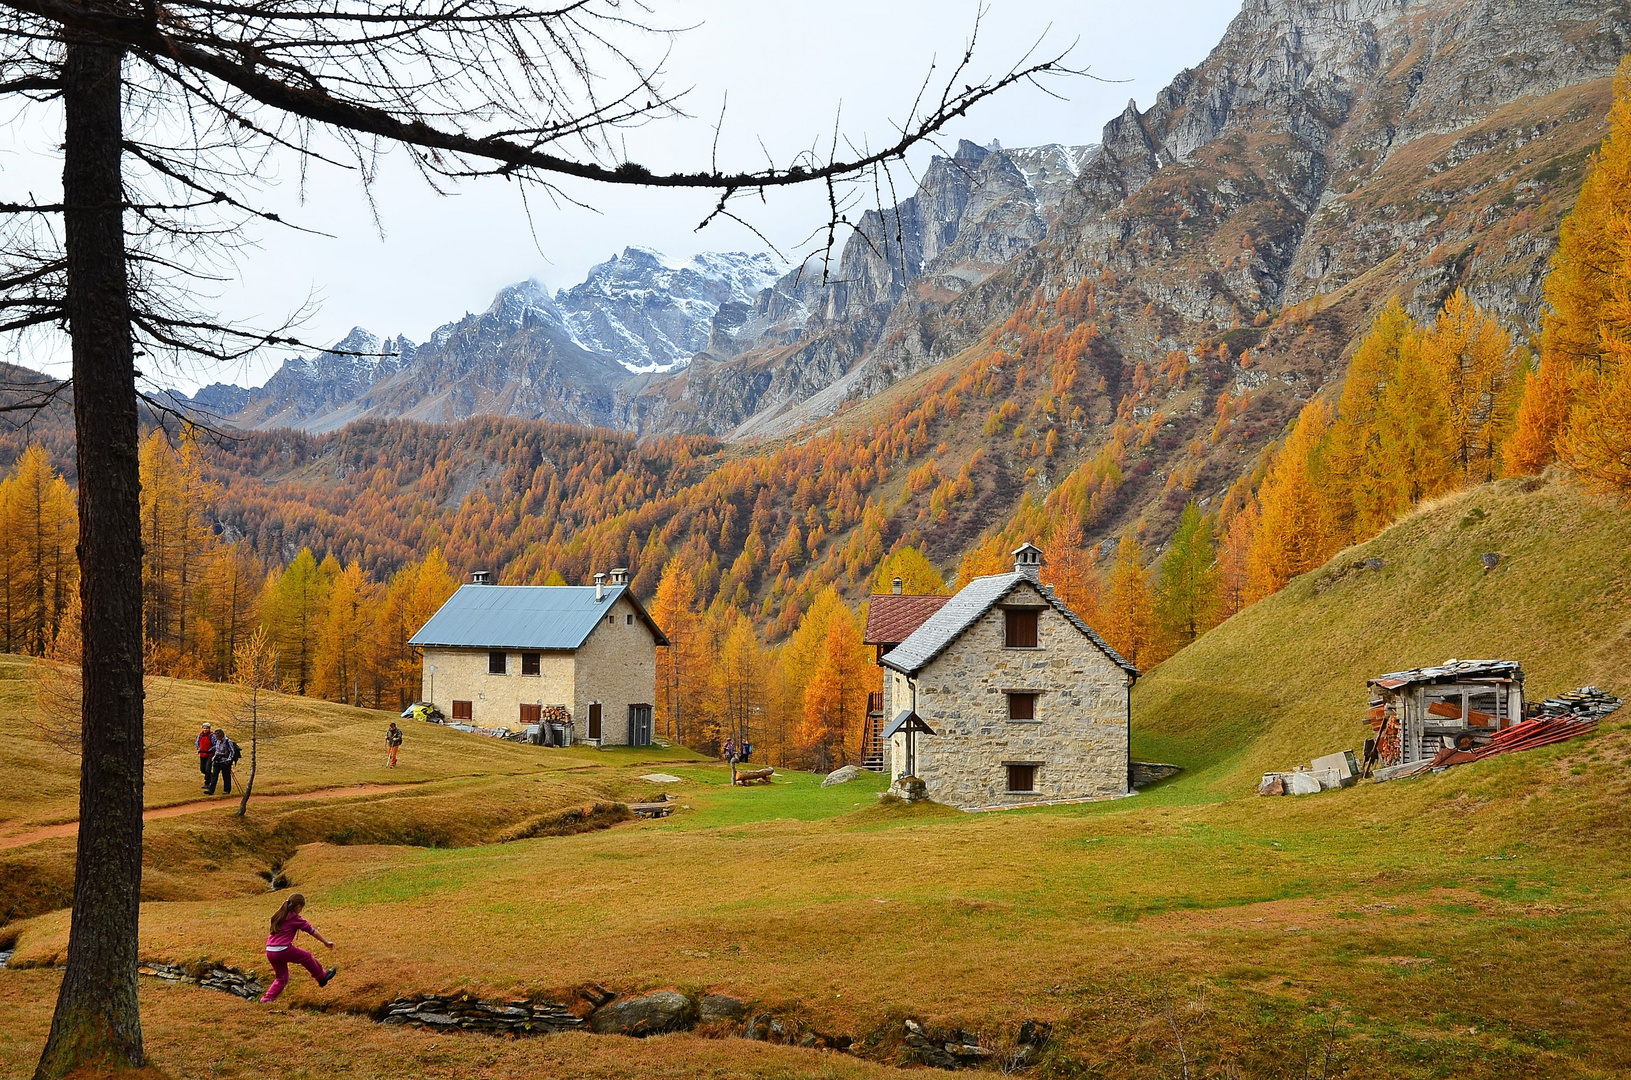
{"type": "Point", "coordinates": [542, 617]}
{"type": "Point", "coordinates": [906, 719]}
{"type": "Point", "coordinates": [968, 605]}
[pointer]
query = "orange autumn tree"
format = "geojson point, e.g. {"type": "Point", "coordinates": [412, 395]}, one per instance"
{"type": "Point", "coordinates": [1072, 568]}
{"type": "Point", "coordinates": [1577, 405]}
{"type": "Point", "coordinates": [1128, 616]}
{"type": "Point", "coordinates": [1294, 530]}
{"type": "Point", "coordinates": [835, 697]}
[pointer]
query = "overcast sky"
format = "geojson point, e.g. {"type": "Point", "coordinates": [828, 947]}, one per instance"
{"type": "Point", "coordinates": [788, 66]}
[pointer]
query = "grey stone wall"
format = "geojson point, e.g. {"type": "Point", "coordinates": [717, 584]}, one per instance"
{"type": "Point", "coordinates": [1078, 739]}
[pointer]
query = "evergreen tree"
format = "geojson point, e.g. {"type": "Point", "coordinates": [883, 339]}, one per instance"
{"type": "Point", "coordinates": [1186, 596]}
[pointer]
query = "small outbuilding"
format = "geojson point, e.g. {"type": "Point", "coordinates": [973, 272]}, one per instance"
{"type": "Point", "coordinates": [1460, 704]}
{"type": "Point", "coordinates": [1010, 697]}
{"type": "Point", "coordinates": [579, 662]}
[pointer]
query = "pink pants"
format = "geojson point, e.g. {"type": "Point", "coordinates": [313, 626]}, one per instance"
{"type": "Point", "coordinates": [280, 969]}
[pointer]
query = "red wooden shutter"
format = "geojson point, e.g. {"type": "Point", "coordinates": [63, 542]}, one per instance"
{"type": "Point", "coordinates": [461, 710]}
{"type": "Point", "coordinates": [1019, 629]}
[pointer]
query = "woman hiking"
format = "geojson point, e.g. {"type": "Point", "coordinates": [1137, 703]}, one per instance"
{"type": "Point", "coordinates": [280, 947]}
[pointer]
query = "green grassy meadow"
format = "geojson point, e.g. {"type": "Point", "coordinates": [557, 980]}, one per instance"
{"type": "Point", "coordinates": [1475, 923]}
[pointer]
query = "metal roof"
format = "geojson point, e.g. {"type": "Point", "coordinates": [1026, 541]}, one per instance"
{"type": "Point", "coordinates": [906, 721]}
{"type": "Point", "coordinates": [968, 605]}
{"type": "Point", "coordinates": [1451, 671]}
{"type": "Point", "coordinates": [542, 617]}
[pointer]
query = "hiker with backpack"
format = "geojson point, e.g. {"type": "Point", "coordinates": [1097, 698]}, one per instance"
{"type": "Point", "coordinates": [225, 755]}
{"type": "Point", "coordinates": [281, 949]}
{"type": "Point", "coordinates": [393, 739]}
{"type": "Point", "coordinates": [206, 756]}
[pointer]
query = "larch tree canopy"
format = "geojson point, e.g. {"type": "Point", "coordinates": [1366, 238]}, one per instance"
{"type": "Point", "coordinates": [168, 111]}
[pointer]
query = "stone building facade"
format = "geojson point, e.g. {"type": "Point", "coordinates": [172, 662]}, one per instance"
{"type": "Point", "coordinates": [497, 656]}
{"type": "Point", "coordinates": [1027, 703]}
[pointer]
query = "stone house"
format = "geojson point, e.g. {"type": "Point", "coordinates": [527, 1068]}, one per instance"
{"type": "Point", "coordinates": [501, 655]}
{"type": "Point", "coordinates": [1025, 702]}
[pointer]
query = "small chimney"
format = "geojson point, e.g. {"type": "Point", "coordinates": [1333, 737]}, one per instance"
{"type": "Point", "coordinates": [1028, 560]}
{"type": "Point", "coordinates": [896, 586]}
{"type": "Point", "coordinates": [620, 575]}
{"type": "Point", "coordinates": [479, 577]}
{"type": "Point", "coordinates": [600, 587]}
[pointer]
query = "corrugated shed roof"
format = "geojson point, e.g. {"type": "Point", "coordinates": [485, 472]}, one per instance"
{"type": "Point", "coordinates": [542, 617]}
{"type": "Point", "coordinates": [962, 610]}
{"type": "Point", "coordinates": [891, 617]}
{"type": "Point", "coordinates": [1451, 671]}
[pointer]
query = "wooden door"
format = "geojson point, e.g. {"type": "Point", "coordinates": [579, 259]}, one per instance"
{"type": "Point", "coordinates": [461, 710]}
{"type": "Point", "coordinates": [531, 714]}
{"type": "Point", "coordinates": [594, 720]}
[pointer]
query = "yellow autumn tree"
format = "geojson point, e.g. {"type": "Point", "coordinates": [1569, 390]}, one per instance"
{"type": "Point", "coordinates": [341, 666]}
{"type": "Point", "coordinates": [413, 595]}
{"type": "Point", "coordinates": [917, 574]}
{"type": "Point", "coordinates": [1476, 367]}
{"type": "Point", "coordinates": [41, 572]}
{"type": "Point", "coordinates": [1577, 406]}
{"type": "Point", "coordinates": [680, 677]}
{"type": "Point", "coordinates": [1128, 615]}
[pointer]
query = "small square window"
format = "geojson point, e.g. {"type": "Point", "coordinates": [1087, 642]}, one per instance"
{"type": "Point", "coordinates": [1019, 629]}
{"type": "Point", "coordinates": [628, 620]}
{"type": "Point", "coordinates": [529, 663]}
{"type": "Point", "coordinates": [495, 663]}
{"type": "Point", "coordinates": [1022, 706]}
{"type": "Point", "coordinates": [1021, 777]}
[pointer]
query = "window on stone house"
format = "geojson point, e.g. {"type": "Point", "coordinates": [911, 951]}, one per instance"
{"type": "Point", "coordinates": [1021, 776]}
{"type": "Point", "coordinates": [529, 663]}
{"type": "Point", "coordinates": [461, 710]}
{"type": "Point", "coordinates": [1021, 705]}
{"type": "Point", "coordinates": [1019, 628]}
{"type": "Point", "coordinates": [628, 620]}
{"type": "Point", "coordinates": [495, 663]}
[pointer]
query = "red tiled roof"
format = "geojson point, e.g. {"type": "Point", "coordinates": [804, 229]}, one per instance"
{"type": "Point", "coordinates": [892, 617]}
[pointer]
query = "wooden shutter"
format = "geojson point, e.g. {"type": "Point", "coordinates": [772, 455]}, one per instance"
{"type": "Point", "coordinates": [1022, 706]}
{"type": "Point", "coordinates": [495, 663]}
{"type": "Point", "coordinates": [461, 710]}
{"type": "Point", "coordinates": [1021, 777]}
{"type": "Point", "coordinates": [1019, 629]}
{"type": "Point", "coordinates": [594, 720]}
{"type": "Point", "coordinates": [531, 714]}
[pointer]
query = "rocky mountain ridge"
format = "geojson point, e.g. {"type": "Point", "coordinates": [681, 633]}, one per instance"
{"type": "Point", "coordinates": [606, 351]}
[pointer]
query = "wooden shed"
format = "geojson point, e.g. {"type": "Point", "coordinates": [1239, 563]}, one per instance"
{"type": "Point", "coordinates": [1460, 704]}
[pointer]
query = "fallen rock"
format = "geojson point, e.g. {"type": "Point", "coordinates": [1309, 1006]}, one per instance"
{"type": "Point", "coordinates": [650, 1014]}
{"type": "Point", "coordinates": [841, 776]}
{"type": "Point", "coordinates": [715, 1007]}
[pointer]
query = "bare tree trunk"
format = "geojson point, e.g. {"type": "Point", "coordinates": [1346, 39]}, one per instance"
{"type": "Point", "coordinates": [254, 751]}
{"type": "Point", "coordinates": [96, 1019]}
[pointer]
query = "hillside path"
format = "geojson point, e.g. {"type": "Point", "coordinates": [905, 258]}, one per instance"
{"type": "Point", "coordinates": [198, 806]}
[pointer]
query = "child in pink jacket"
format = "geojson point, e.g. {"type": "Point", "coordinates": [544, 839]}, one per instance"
{"type": "Point", "coordinates": [280, 947]}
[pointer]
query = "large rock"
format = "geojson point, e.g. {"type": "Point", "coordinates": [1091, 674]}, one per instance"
{"type": "Point", "coordinates": [715, 1007]}
{"type": "Point", "coordinates": [841, 776]}
{"type": "Point", "coordinates": [650, 1014]}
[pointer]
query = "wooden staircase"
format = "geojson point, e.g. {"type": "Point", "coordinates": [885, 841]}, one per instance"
{"type": "Point", "coordinates": [874, 752]}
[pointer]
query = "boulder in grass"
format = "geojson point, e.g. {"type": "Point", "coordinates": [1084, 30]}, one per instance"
{"type": "Point", "coordinates": [841, 776]}
{"type": "Point", "coordinates": [714, 1007]}
{"type": "Point", "coordinates": [649, 1014]}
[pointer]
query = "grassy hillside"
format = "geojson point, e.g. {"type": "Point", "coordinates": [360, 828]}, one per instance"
{"type": "Point", "coordinates": [1475, 923]}
{"type": "Point", "coordinates": [1285, 679]}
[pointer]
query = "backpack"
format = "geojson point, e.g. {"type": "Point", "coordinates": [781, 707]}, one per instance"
{"type": "Point", "coordinates": [237, 751]}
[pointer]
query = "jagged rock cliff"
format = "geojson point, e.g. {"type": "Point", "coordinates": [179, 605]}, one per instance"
{"type": "Point", "coordinates": [1327, 154]}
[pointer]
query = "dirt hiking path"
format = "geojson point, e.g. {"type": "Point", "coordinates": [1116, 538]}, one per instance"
{"type": "Point", "coordinates": [71, 828]}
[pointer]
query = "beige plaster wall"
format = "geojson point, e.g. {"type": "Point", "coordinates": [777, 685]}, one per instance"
{"type": "Point", "coordinates": [495, 700]}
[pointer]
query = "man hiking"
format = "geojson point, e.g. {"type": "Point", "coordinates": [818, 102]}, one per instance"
{"type": "Point", "coordinates": [281, 949]}
{"type": "Point", "coordinates": [393, 739]}
{"type": "Point", "coordinates": [225, 756]}
{"type": "Point", "coordinates": [206, 757]}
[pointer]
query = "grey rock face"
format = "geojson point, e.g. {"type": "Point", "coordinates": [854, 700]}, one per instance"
{"type": "Point", "coordinates": [651, 1014]}
{"type": "Point", "coordinates": [716, 1007]}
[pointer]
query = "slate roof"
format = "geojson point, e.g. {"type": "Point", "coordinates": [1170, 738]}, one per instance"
{"type": "Point", "coordinates": [962, 610]}
{"type": "Point", "coordinates": [1450, 671]}
{"type": "Point", "coordinates": [891, 617]}
{"type": "Point", "coordinates": [549, 618]}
